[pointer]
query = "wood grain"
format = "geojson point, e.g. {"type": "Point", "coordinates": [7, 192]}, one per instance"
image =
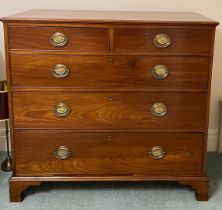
{"type": "Point", "coordinates": [16, 189]}
{"type": "Point", "coordinates": [183, 40]}
{"type": "Point", "coordinates": [37, 38]}
{"type": "Point", "coordinates": [20, 183]}
{"type": "Point", "coordinates": [95, 110]}
{"type": "Point", "coordinates": [110, 129]}
{"type": "Point", "coordinates": [59, 16]}
{"type": "Point", "coordinates": [96, 153]}
{"type": "Point", "coordinates": [201, 189]}
{"type": "Point", "coordinates": [208, 100]}
{"type": "Point", "coordinates": [135, 72]}
{"type": "Point", "coordinates": [10, 98]}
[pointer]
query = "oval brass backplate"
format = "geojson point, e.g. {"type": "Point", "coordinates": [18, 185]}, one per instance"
{"type": "Point", "coordinates": [158, 109]}
{"type": "Point", "coordinates": [162, 40]}
{"type": "Point", "coordinates": [157, 153]}
{"type": "Point", "coordinates": [62, 153]}
{"type": "Point", "coordinates": [160, 71]}
{"type": "Point", "coordinates": [59, 39]}
{"type": "Point", "coordinates": [60, 71]}
{"type": "Point", "coordinates": [61, 110]}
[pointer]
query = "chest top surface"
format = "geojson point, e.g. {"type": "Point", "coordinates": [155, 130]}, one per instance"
{"type": "Point", "coordinates": [50, 15]}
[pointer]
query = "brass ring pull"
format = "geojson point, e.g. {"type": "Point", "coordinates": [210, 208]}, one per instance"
{"type": "Point", "coordinates": [158, 109]}
{"type": "Point", "coordinates": [162, 40]}
{"type": "Point", "coordinates": [157, 153]}
{"type": "Point", "coordinates": [61, 110]}
{"type": "Point", "coordinates": [62, 153]}
{"type": "Point", "coordinates": [60, 71]}
{"type": "Point", "coordinates": [59, 39]}
{"type": "Point", "coordinates": [160, 71]}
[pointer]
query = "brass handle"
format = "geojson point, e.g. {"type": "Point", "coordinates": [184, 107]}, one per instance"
{"type": "Point", "coordinates": [59, 39]}
{"type": "Point", "coordinates": [60, 71]}
{"type": "Point", "coordinates": [62, 153]}
{"type": "Point", "coordinates": [157, 153]}
{"type": "Point", "coordinates": [162, 40]}
{"type": "Point", "coordinates": [160, 71]}
{"type": "Point", "coordinates": [61, 110]}
{"type": "Point", "coordinates": [158, 109]}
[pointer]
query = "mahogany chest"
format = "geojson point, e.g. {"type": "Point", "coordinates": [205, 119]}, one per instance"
{"type": "Point", "coordinates": [108, 96]}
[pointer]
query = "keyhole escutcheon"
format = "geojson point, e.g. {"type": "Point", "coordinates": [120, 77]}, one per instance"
{"type": "Point", "coordinates": [110, 61]}
{"type": "Point", "coordinates": [146, 36]}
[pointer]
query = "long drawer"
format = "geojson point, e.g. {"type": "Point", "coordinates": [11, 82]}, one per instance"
{"type": "Point", "coordinates": [58, 38]}
{"type": "Point", "coordinates": [108, 153]}
{"type": "Point", "coordinates": [135, 72]}
{"type": "Point", "coordinates": [162, 40]}
{"type": "Point", "coordinates": [110, 110]}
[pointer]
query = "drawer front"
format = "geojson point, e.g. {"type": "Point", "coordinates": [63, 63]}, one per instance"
{"type": "Point", "coordinates": [109, 110]}
{"type": "Point", "coordinates": [108, 153]}
{"type": "Point", "coordinates": [162, 40]}
{"type": "Point", "coordinates": [109, 71]}
{"type": "Point", "coordinates": [58, 38]}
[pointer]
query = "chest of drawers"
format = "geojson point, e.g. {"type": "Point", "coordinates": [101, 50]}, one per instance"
{"type": "Point", "coordinates": [108, 96]}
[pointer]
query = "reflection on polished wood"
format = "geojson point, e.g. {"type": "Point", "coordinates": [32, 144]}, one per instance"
{"type": "Point", "coordinates": [82, 90]}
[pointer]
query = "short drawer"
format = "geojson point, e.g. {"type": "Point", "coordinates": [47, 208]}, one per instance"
{"type": "Point", "coordinates": [62, 153]}
{"type": "Point", "coordinates": [161, 40]}
{"type": "Point", "coordinates": [110, 110]}
{"type": "Point", "coordinates": [135, 72]}
{"type": "Point", "coordinates": [58, 38]}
